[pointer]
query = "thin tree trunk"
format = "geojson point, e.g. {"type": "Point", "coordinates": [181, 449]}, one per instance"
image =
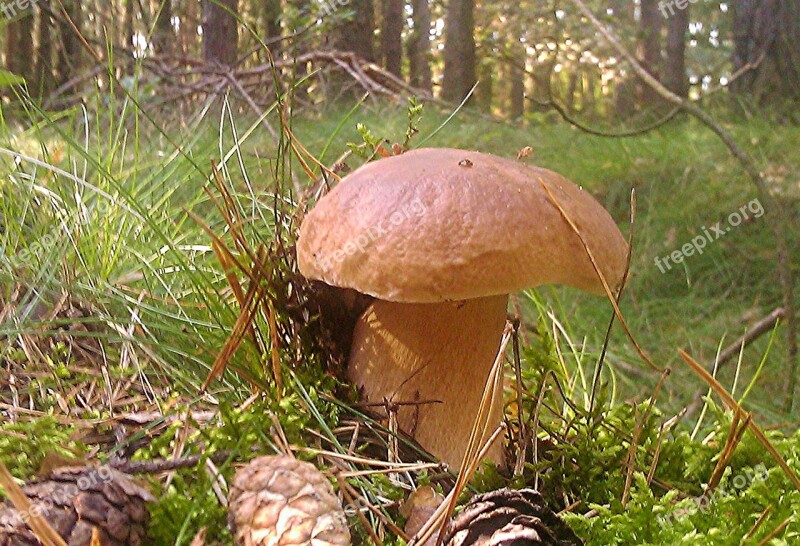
{"type": "Point", "coordinates": [650, 48]}
{"type": "Point", "coordinates": [357, 35]}
{"type": "Point", "coordinates": [459, 50]}
{"type": "Point", "coordinates": [189, 43]}
{"type": "Point", "coordinates": [164, 34]}
{"type": "Point", "coordinates": [624, 87]}
{"type": "Point", "coordinates": [675, 67]}
{"type": "Point", "coordinates": [484, 94]}
{"type": "Point", "coordinates": [128, 27]}
{"type": "Point", "coordinates": [271, 23]}
{"type": "Point", "coordinates": [767, 47]}
{"type": "Point", "coordinates": [572, 87]}
{"type": "Point", "coordinates": [419, 46]}
{"type": "Point", "coordinates": [45, 79]}
{"type": "Point", "coordinates": [9, 35]}
{"type": "Point", "coordinates": [298, 46]}
{"type": "Point", "coordinates": [589, 102]}
{"type": "Point", "coordinates": [70, 54]}
{"type": "Point", "coordinates": [392, 36]}
{"type": "Point", "coordinates": [220, 32]}
{"type": "Point", "coordinates": [517, 72]}
{"type": "Point", "coordinates": [20, 47]}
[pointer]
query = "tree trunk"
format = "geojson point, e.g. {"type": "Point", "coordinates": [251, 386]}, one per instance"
{"type": "Point", "coordinates": [459, 50]}
{"type": "Point", "coordinates": [589, 100]}
{"type": "Point", "coordinates": [484, 94]}
{"type": "Point", "coordinates": [45, 79]}
{"type": "Point", "coordinates": [675, 65]}
{"type": "Point", "coordinates": [357, 35]}
{"type": "Point", "coordinates": [650, 48]}
{"type": "Point", "coordinates": [19, 52]}
{"type": "Point", "coordinates": [767, 37]}
{"type": "Point", "coordinates": [163, 34]}
{"type": "Point", "coordinates": [71, 51]}
{"type": "Point", "coordinates": [624, 88]}
{"type": "Point", "coordinates": [392, 36]}
{"type": "Point", "coordinates": [517, 71]}
{"type": "Point", "coordinates": [128, 26]}
{"type": "Point", "coordinates": [298, 47]}
{"type": "Point", "coordinates": [271, 15]}
{"type": "Point", "coordinates": [220, 32]}
{"type": "Point", "coordinates": [8, 35]}
{"type": "Point", "coordinates": [572, 88]}
{"type": "Point", "coordinates": [419, 46]}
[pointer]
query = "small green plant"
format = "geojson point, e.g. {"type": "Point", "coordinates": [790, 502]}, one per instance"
{"type": "Point", "coordinates": [25, 445]}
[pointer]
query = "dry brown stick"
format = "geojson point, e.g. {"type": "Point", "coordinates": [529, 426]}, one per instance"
{"type": "Point", "coordinates": [522, 445]}
{"type": "Point", "coordinates": [776, 531]}
{"type": "Point", "coordinates": [758, 523]}
{"type": "Point", "coordinates": [737, 430]}
{"type": "Point", "coordinates": [352, 501]}
{"type": "Point", "coordinates": [759, 328]}
{"type": "Point", "coordinates": [730, 402]}
{"type": "Point", "coordinates": [156, 466]}
{"type": "Point", "coordinates": [637, 431]}
{"type": "Point", "coordinates": [777, 218]}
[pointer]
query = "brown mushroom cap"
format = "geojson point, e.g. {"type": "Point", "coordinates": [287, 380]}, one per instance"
{"type": "Point", "coordinates": [441, 224]}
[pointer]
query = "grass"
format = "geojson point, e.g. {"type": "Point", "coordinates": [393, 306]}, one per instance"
{"type": "Point", "coordinates": [108, 285]}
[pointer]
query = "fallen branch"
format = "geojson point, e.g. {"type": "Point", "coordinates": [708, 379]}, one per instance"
{"type": "Point", "coordinates": [157, 466]}
{"type": "Point", "coordinates": [734, 349]}
{"type": "Point", "coordinates": [759, 328]}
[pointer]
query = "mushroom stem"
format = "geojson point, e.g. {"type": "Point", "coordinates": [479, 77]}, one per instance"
{"type": "Point", "coordinates": [424, 352]}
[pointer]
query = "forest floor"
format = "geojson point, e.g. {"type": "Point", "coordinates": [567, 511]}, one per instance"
{"type": "Point", "coordinates": [115, 302]}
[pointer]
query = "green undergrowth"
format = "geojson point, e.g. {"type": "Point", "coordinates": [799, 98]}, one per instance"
{"type": "Point", "coordinates": [101, 207]}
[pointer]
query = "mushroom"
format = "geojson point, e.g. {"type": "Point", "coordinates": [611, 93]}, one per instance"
{"type": "Point", "coordinates": [441, 237]}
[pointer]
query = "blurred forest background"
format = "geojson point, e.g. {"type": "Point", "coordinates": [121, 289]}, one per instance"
{"type": "Point", "coordinates": [528, 56]}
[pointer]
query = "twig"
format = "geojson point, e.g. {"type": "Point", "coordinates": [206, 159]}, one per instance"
{"type": "Point", "coordinates": [157, 466]}
{"type": "Point", "coordinates": [757, 524]}
{"type": "Point", "coordinates": [759, 328]}
{"type": "Point", "coordinates": [776, 531]}
{"type": "Point", "coordinates": [522, 445]}
{"type": "Point", "coordinates": [599, 366]}
{"type": "Point", "coordinates": [351, 500]}
{"type": "Point", "coordinates": [731, 404]}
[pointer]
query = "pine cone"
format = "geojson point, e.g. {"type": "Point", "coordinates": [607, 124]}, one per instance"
{"type": "Point", "coordinates": [507, 517]}
{"type": "Point", "coordinates": [280, 501]}
{"type": "Point", "coordinates": [75, 501]}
